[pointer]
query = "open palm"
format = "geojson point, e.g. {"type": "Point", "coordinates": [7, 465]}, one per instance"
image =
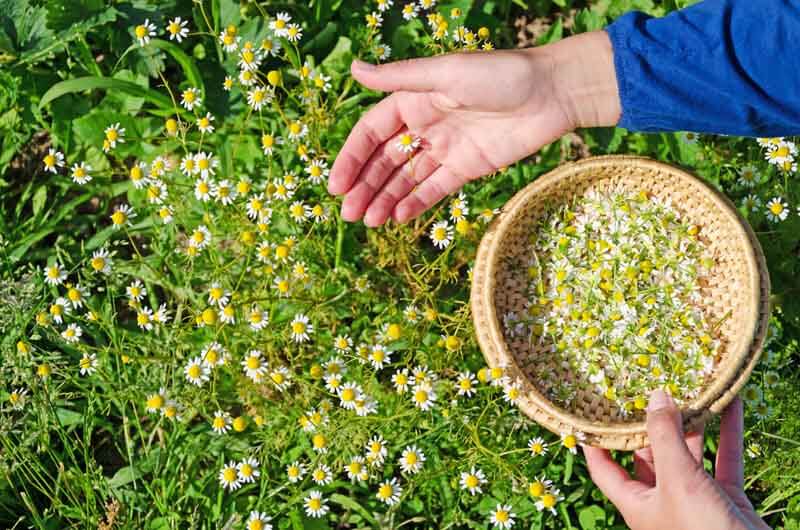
{"type": "Point", "coordinates": [473, 112]}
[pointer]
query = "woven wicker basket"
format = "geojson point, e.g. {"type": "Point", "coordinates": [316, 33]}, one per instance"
{"type": "Point", "coordinates": [738, 288]}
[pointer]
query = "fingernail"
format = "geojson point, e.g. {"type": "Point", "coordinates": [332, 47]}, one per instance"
{"type": "Point", "coordinates": [362, 65]}
{"type": "Point", "coordinates": [658, 400]}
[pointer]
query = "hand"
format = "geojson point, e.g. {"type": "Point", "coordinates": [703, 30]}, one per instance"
{"type": "Point", "coordinates": [672, 491]}
{"type": "Point", "coordinates": [474, 113]}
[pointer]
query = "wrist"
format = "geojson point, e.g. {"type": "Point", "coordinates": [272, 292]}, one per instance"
{"type": "Point", "coordinates": [584, 79]}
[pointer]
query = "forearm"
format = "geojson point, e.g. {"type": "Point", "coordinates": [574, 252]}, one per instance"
{"type": "Point", "coordinates": [584, 79]}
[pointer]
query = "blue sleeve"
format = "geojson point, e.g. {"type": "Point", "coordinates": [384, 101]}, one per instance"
{"type": "Point", "coordinates": [720, 66]}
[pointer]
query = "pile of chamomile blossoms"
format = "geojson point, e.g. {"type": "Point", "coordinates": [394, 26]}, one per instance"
{"type": "Point", "coordinates": [614, 302]}
{"type": "Point", "coordinates": [226, 291]}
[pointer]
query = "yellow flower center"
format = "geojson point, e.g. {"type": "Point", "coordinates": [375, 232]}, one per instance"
{"type": "Point", "coordinates": [298, 327]}
{"type": "Point", "coordinates": [314, 504]}
{"type": "Point", "coordinates": [421, 396]}
{"type": "Point", "coordinates": [229, 475]}
{"type": "Point", "coordinates": [536, 489]}
{"type": "Point", "coordinates": [188, 96]}
{"type": "Point", "coordinates": [319, 441]}
{"type": "Point", "coordinates": [255, 524]}
{"type": "Point", "coordinates": [776, 208]}
{"type": "Point", "coordinates": [411, 458]}
{"type": "Point", "coordinates": [570, 441]}
{"type": "Point", "coordinates": [348, 394]}
{"type": "Point", "coordinates": [548, 500]}
{"type": "Point", "coordinates": [385, 491]}
{"type": "Point", "coordinates": [280, 24]}
{"type": "Point", "coordinates": [471, 481]}
{"type": "Point", "coordinates": [194, 371]}
{"type": "Point", "coordinates": [156, 401]}
{"type": "Point", "coordinates": [50, 160]}
{"type": "Point", "coordinates": [277, 378]}
{"type": "Point", "coordinates": [112, 135]}
{"type": "Point", "coordinates": [501, 516]}
{"type": "Point", "coordinates": [140, 31]}
{"type": "Point", "coordinates": [219, 422]}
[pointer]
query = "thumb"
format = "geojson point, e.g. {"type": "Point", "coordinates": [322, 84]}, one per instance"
{"type": "Point", "coordinates": [414, 75]}
{"type": "Point", "coordinates": [671, 456]}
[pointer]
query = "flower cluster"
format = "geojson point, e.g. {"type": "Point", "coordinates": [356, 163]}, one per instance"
{"type": "Point", "coordinates": [614, 290]}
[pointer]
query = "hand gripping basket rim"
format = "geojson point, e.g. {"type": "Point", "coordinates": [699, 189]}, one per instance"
{"type": "Point", "coordinates": [618, 435]}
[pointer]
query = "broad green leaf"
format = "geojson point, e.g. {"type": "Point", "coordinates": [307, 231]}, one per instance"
{"type": "Point", "coordinates": [592, 518]}
{"type": "Point", "coordinates": [82, 84]}
{"type": "Point", "coordinates": [68, 417]}
{"type": "Point", "coordinates": [187, 64]}
{"type": "Point", "coordinates": [124, 475]}
{"type": "Point", "coordinates": [349, 503]}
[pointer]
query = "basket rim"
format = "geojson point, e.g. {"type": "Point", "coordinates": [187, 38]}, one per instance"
{"type": "Point", "coordinates": [619, 435]}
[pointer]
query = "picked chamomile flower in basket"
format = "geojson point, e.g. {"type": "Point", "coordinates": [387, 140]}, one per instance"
{"type": "Point", "coordinates": [610, 278]}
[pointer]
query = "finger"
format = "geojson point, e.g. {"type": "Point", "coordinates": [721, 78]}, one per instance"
{"type": "Point", "coordinates": [694, 441]}
{"type": "Point", "coordinates": [644, 467]}
{"type": "Point", "coordinates": [371, 131]}
{"type": "Point", "coordinates": [612, 479]}
{"type": "Point", "coordinates": [671, 455]}
{"type": "Point", "coordinates": [383, 162]}
{"type": "Point", "coordinates": [398, 186]}
{"type": "Point", "coordinates": [413, 75]}
{"type": "Point", "coordinates": [433, 189]}
{"type": "Point", "coordinates": [730, 466]}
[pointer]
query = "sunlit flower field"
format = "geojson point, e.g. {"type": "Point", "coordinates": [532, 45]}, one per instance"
{"type": "Point", "coordinates": [192, 337]}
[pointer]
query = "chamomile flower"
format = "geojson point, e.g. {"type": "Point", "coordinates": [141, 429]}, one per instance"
{"type": "Point", "coordinates": [356, 469]}
{"type": "Point", "coordinates": [412, 459]}
{"type": "Point", "coordinates": [156, 401]}
{"type": "Point", "coordinates": [227, 314]}
{"type": "Point", "coordinates": [80, 173]}
{"type": "Point", "coordinates": [571, 440]}
{"type": "Point", "coordinates": [257, 207]}
{"type": "Point", "coordinates": [72, 334]}
{"type": "Point", "coordinates": [301, 328]}
{"type": "Point", "coordinates": [401, 380]}
{"type": "Point", "coordinates": [317, 171]}
{"type": "Point", "coordinates": [389, 492]}
{"type": "Point", "coordinates": [549, 500]}
{"type": "Point", "coordinates": [280, 24]}
{"type": "Point", "coordinates": [777, 210]}
{"type": "Point", "coordinates": [343, 344]}
{"type": "Point", "coordinates": [218, 295]}
{"type": "Point", "coordinates": [384, 5]}
{"type": "Point", "coordinates": [383, 51]}
{"type": "Point", "coordinates": [206, 164]}
{"type": "Point", "coordinates": [229, 476]}
{"type": "Point", "coordinates": [299, 212]}
{"type": "Point", "coordinates": [88, 364]}
{"type": "Point", "coordinates": [202, 190]}
{"type": "Point", "coordinates": [466, 383]}
{"type": "Point", "coordinates": [144, 32]}
{"type": "Point", "coordinates": [502, 516]}
{"type": "Point", "coordinates": [258, 521]}
{"type": "Point", "coordinates": [227, 83]}
{"type": "Point", "coordinates": [423, 397]}
{"type": "Point", "coordinates": [335, 365]}
{"type": "Point", "coordinates": [177, 29]}
{"type": "Point", "coordinates": [512, 393]}
{"type": "Point", "coordinates": [427, 4]}
{"type": "Point", "coordinates": [269, 142]}
{"type": "Point", "coordinates": [17, 398]}
{"type": "Point", "coordinates": [247, 78]}
{"type": "Point", "coordinates": [200, 238]}
{"type": "Point", "coordinates": [196, 371]}
{"type": "Point", "coordinates": [248, 470]}
{"type": "Point", "coordinates": [258, 318]}
{"type": "Point", "coordinates": [54, 274]}
{"type": "Point", "coordinates": [315, 505]}
{"type": "Point", "coordinates": [322, 475]}
{"type": "Point", "coordinates": [297, 130]}
{"type": "Point", "coordinates": [258, 97]}
{"type": "Point", "coordinates": [190, 98]}
{"type": "Point", "coordinates": [488, 214]}
{"type": "Point", "coordinates": [349, 393]}
{"type": "Point", "coordinates": [376, 450]}
{"type": "Point", "coordinates": [751, 203]}
{"type": "Point", "coordinates": [441, 234]}
{"type": "Point", "coordinates": [136, 291]}
{"type": "Point", "coordinates": [295, 472]}
{"type": "Point", "coordinates": [254, 365]}
{"type": "Point", "coordinates": [748, 176]}
{"type": "Point", "coordinates": [407, 143]}
{"type": "Point", "coordinates": [59, 309]}
{"type": "Point", "coordinates": [214, 354]}
{"type": "Point", "coordinates": [249, 59]}
{"type": "Point", "coordinates": [204, 123]}
{"type": "Point", "coordinates": [374, 20]}
{"type": "Point", "coordinates": [379, 356]}
{"type": "Point", "coordinates": [537, 446]}
{"type": "Point", "coordinates": [782, 153]}
{"type": "Point", "coordinates": [472, 480]}
{"type": "Point", "coordinates": [281, 377]}
{"type": "Point", "coordinates": [221, 423]}
{"type": "Point", "coordinates": [294, 33]}
{"type": "Point", "coordinates": [270, 47]}
{"type": "Point", "coordinates": [138, 175]}
{"type": "Point", "coordinates": [114, 134]}
{"type": "Point", "coordinates": [229, 41]}
{"type": "Point", "coordinates": [122, 216]}
{"type": "Point", "coordinates": [53, 160]}
{"type": "Point", "coordinates": [224, 192]}
{"type": "Point", "coordinates": [161, 316]}
{"type": "Point", "coordinates": [144, 318]}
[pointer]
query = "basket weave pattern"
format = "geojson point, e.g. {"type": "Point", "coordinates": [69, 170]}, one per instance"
{"type": "Point", "coordinates": [736, 292]}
